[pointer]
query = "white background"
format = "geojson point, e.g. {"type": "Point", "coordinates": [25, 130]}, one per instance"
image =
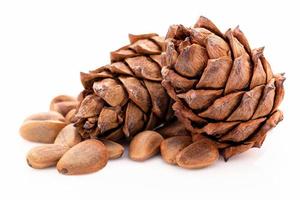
{"type": "Point", "coordinates": [45, 44]}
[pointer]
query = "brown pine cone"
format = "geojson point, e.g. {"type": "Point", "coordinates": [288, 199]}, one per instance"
{"type": "Point", "coordinates": [223, 90]}
{"type": "Point", "coordinates": [126, 96]}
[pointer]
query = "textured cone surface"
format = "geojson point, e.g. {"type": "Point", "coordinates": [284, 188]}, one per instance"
{"type": "Point", "coordinates": [126, 96]}
{"type": "Point", "coordinates": [223, 89]}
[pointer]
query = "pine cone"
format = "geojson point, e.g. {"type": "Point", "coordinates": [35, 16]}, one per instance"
{"type": "Point", "coordinates": [126, 96]}
{"type": "Point", "coordinates": [223, 90]}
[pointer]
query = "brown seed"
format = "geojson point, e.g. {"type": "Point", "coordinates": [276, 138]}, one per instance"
{"type": "Point", "coordinates": [64, 107]}
{"type": "Point", "coordinates": [144, 145]}
{"type": "Point", "coordinates": [170, 147]}
{"type": "Point", "coordinates": [70, 116]}
{"type": "Point", "coordinates": [115, 150]}
{"type": "Point", "coordinates": [45, 156]}
{"type": "Point", "coordinates": [86, 157]}
{"type": "Point", "coordinates": [61, 98]}
{"type": "Point", "coordinates": [44, 131]}
{"type": "Point", "coordinates": [51, 115]}
{"type": "Point", "coordinates": [198, 155]}
{"type": "Point", "coordinates": [115, 135]}
{"type": "Point", "coordinates": [175, 128]}
{"type": "Point", "coordinates": [63, 104]}
{"type": "Point", "coordinates": [68, 136]}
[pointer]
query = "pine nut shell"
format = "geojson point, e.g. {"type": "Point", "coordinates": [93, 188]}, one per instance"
{"type": "Point", "coordinates": [51, 115]}
{"type": "Point", "coordinates": [198, 155]}
{"type": "Point", "coordinates": [145, 145]}
{"type": "Point", "coordinates": [86, 157]}
{"type": "Point", "coordinates": [41, 131]}
{"type": "Point", "coordinates": [70, 116]}
{"type": "Point", "coordinates": [115, 150]}
{"type": "Point", "coordinates": [63, 104]}
{"type": "Point", "coordinates": [68, 136]}
{"type": "Point", "coordinates": [170, 147]}
{"type": "Point", "coordinates": [45, 156]}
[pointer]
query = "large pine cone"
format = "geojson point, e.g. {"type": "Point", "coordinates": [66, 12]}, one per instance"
{"type": "Point", "coordinates": [126, 96]}
{"type": "Point", "coordinates": [223, 90]}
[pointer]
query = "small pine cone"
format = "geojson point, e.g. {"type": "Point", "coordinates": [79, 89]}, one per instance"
{"type": "Point", "coordinates": [126, 96]}
{"type": "Point", "coordinates": [223, 90]}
